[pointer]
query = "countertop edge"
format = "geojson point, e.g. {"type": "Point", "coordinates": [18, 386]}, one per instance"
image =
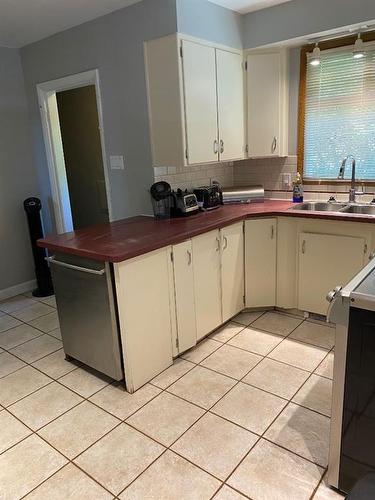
{"type": "Point", "coordinates": [187, 234]}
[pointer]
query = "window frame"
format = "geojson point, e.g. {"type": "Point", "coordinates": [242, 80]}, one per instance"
{"type": "Point", "coordinates": [329, 44]}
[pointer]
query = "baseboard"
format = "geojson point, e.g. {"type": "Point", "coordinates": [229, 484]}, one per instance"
{"type": "Point", "coordinates": [17, 289]}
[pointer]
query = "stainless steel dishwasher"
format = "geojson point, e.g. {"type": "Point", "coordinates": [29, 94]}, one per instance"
{"type": "Point", "coordinates": [87, 312]}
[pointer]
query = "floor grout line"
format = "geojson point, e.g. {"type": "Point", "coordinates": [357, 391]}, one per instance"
{"type": "Point", "coordinates": [206, 411]}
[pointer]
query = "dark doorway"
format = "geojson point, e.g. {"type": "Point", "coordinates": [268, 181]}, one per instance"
{"type": "Point", "coordinates": [80, 134]}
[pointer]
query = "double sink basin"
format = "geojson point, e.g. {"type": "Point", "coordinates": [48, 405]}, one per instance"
{"type": "Point", "coordinates": [346, 208]}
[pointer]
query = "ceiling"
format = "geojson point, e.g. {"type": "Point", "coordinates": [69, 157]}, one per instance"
{"type": "Point", "coordinates": [245, 6]}
{"type": "Point", "coordinates": [26, 21]}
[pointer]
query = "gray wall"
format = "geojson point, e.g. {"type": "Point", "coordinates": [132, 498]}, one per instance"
{"type": "Point", "coordinates": [114, 45]}
{"type": "Point", "coordinates": [303, 17]}
{"type": "Point", "coordinates": [17, 173]}
{"type": "Point", "coordinates": [209, 21]}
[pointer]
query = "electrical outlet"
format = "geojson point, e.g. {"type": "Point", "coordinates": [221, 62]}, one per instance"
{"type": "Point", "coordinates": [286, 180]}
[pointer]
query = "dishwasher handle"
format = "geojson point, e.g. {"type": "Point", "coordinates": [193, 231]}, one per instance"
{"type": "Point", "coordinates": [52, 260]}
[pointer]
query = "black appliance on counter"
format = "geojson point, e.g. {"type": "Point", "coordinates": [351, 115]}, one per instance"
{"type": "Point", "coordinates": [167, 203]}
{"type": "Point", "coordinates": [352, 450]}
{"type": "Point", "coordinates": [209, 197]}
{"type": "Point", "coordinates": [162, 199]}
{"type": "Point", "coordinates": [185, 203]}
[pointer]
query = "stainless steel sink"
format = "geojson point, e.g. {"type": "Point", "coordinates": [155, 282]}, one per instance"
{"type": "Point", "coordinates": [320, 206]}
{"type": "Point", "coordinates": [359, 209]}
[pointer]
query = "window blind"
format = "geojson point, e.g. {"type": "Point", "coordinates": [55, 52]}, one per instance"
{"type": "Point", "coordinates": [340, 115]}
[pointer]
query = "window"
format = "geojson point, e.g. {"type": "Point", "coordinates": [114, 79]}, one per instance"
{"type": "Point", "coordinates": [339, 114]}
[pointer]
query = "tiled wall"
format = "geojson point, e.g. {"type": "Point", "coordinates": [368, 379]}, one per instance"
{"type": "Point", "coordinates": [268, 172]}
{"type": "Point", "coordinates": [265, 171]}
{"type": "Point", "coordinates": [194, 176]}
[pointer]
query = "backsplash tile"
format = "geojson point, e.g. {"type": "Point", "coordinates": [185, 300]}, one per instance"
{"type": "Point", "coordinates": [197, 175]}
{"type": "Point", "coordinates": [268, 172]}
{"type": "Point", "coordinates": [265, 171]}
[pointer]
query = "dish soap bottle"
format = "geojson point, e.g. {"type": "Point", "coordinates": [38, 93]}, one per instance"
{"type": "Point", "coordinates": [297, 189]}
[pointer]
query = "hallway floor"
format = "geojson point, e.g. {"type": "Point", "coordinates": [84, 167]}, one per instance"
{"type": "Point", "coordinates": [245, 414]}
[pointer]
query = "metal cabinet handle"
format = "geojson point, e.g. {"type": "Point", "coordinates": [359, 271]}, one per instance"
{"type": "Point", "coordinates": [216, 146]}
{"type": "Point", "coordinates": [218, 244]}
{"type": "Point", "coordinates": [274, 144]}
{"type": "Point", "coordinates": [371, 256]}
{"type": "Point", "coordinates": [225, 242]}
{"type": "Point", "coordinates": [52, 260]}
{"type": "Point", "coordinates": [221, 146]}
{"type": "Point", "coordinates": [272, 231]}
{"type": "Point", "coordinates": [304, 246]}
{"type": "Point", "coordinates": [189, 257]}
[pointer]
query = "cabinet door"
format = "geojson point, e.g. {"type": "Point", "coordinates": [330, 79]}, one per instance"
{"type": "Point", "coordinates": [264, 104]}
{"type": "Point", "coordinates": [184, 295]}
{"type": "Point", "coordinates": [143, 298]}
{"type": "Point", "coordinates": [230, 94]}
{"type": "Point", "coordinates": [199, 74]}
{"type": "Point", "coordinates": [260, 262]}
{"type": "Point", "coordinates": [325, 261]}
{"type": "Point", "coordinates": [207, 286]}
{"type": "Point", "coordinates": [232, 270]}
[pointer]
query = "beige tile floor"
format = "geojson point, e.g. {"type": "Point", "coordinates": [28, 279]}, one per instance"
{"type": "Point", "coordinates": [245, 414]}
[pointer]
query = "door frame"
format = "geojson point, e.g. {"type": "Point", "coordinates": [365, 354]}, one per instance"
{"type": "Point", "coordinates": [53, 143]}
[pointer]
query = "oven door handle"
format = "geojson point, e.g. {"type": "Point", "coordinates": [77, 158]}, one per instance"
{"type": "Point", "coordinates": [52, 260]}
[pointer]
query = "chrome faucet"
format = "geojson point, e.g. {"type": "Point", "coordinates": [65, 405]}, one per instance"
{"type": "Point", "coordinates": [352, 191]}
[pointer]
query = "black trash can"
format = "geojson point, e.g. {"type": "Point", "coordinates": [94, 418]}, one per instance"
{"type": "Point", "coordinates": [32, 208]}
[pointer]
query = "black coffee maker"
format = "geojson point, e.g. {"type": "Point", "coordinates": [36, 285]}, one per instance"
{"type": "Point", "coordinates": [163, 200]}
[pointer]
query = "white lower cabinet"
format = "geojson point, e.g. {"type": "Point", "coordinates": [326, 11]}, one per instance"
{"type": "Point", "coordinates": [218, 277]}
{"type": "Point", "coordinates": [260, 262]}
{"type": "Point", "coordinates": [143, 298]}
{"type": "Point", "coordinates": [326, 261]}
{"type": "Point", "coordinates": [232, 270]}
{"type": "Point", "coordinates": [207, 283]}
{"type": "Point", "coordinates": [186, 328]}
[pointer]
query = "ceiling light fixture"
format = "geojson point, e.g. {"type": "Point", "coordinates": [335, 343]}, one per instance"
{"type": "Point", "coordinates": [315, 58]}
{"type": "Point", "coordinates": [359, 49]}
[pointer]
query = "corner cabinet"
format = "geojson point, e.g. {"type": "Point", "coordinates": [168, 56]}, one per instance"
{"type": "Point", "coordinates": [195, 101]}
{"type": "Point", "coordinates": [267, 103]}
{"type": "Point", "coordinates": [324, 262]}
{"type": "Point", "coordinates": [260, 262]}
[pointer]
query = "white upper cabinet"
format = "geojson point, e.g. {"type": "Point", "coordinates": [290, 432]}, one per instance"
{"type": "Point", "coordinates": [267, 104]}
{"type": "Point", "coordinates": [230, 96]}
{"type": "Point", "coordinates": [199, 74]}
{"type": "Point", "coordinates": [196, 102]}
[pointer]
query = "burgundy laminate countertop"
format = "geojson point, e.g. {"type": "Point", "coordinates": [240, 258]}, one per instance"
{"type": "Point", "coordinates": [127, 238]}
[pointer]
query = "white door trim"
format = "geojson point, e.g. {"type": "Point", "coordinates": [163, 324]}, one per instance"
{"type": "Point", "coordinates": [55, 157]}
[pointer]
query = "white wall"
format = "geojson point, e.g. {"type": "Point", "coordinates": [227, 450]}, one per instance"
{"type": "Point", "coordinates": [17, 173]}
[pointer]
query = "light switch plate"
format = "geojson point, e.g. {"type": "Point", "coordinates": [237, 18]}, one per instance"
{"type": "Point", "coordinates": [116, 162]}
